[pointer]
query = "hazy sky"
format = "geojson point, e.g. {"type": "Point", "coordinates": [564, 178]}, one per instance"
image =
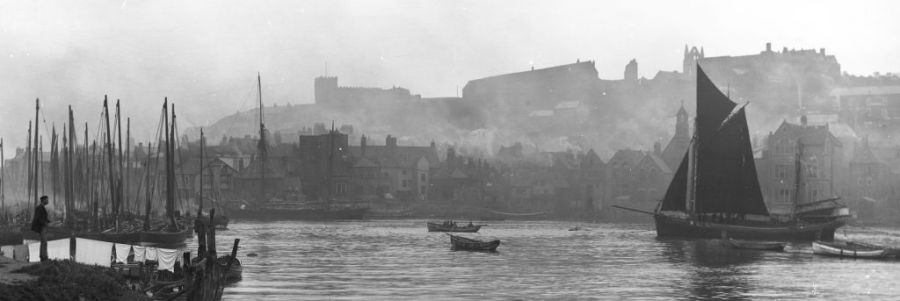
{"type": "Point", "coordinates": [204, 55]}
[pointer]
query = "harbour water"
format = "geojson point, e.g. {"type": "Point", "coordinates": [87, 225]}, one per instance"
{"type": "Point", "coordinates": [400, 260]}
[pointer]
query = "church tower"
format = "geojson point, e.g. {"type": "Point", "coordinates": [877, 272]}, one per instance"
{"type": "Point", "coordinates": [681, 123]}
{"type": "Point", "coordinates": [691, 57]}
{"type": "Point", "coordinates": [631, 71]}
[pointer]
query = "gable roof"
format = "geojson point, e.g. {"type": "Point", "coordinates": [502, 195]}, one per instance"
{"type": "Point", "coordinates": [653, 160]}
{"type": "Point", "coordinates": [627, 157]}
{"type": "Point", "coordinates": [809, 134]}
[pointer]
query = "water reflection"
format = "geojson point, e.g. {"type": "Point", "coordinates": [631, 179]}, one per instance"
{"type": "Point", "coordinates": [400, 260]}
{"type": "Point", "coordinates": [716, 271]}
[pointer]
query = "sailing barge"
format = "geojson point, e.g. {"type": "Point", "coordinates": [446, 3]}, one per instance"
{"type": "Point", "coordinates": [715, 192]}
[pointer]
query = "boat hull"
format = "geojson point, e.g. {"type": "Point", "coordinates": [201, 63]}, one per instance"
{"type": "Point", "coordinates": [845, 250]}
{"type": "Point", "coordinates": [681, 227]}
{"type": "Point", "coordinates": [467, 244]}
{"type": "Point", "coordinates": [235, 272]}
{"type": "Point", "coordinates": [163, 238]}
{"type": "Point", "coordinates": [11, 237]}
{"type": "Point", "coordinates": [435, 227]}
{"type": "Point", "coordinates": [298, 214]}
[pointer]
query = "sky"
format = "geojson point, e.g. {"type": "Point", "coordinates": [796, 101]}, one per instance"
{"type": "Point", "coordinates": [204, 55]}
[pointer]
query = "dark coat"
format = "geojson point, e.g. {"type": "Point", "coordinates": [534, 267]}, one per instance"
{"type": "Point", "coordinates": [41, 219]}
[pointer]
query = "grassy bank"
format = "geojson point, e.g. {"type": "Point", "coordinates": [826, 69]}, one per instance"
{"type": "Point", "coordinates": [67, 280]}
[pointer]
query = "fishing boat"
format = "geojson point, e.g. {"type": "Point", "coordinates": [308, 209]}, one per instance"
{"type": "Point", "coordinates": [715, 192]}
{"type": "Point", "coordinates": [754, 245]}
{"type": "Point", "coordinates": [468, 244]}
{"type": "Point", "coordinates": [268, 204]}
{"type": "Point", "coordinates": [848, 249]}
{"type": "Point", "coordinates": [448, 226]}
{"type": "Point", "coordinates": [219, 221]}
{"type": "Point", "coordinates": [234, 273]}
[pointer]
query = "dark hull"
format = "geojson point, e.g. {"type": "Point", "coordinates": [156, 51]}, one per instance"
{"type": "Point", "coordinates": [467, 244]}
{"type": "Point", "coordinates": [160, 238]}
{"type": "Point", "coordinates": [684, 228]}
{"type": "Point", "coordinates": [235, 272]}
{"type": "Point", "coordinates": [298, 214]}
{"type": "Point", "coordinates": [11, 237]}
{"type": "Point", "coordinates": [435, 227]}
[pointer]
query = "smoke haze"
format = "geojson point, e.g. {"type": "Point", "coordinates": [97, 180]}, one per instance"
{"type": "Point", "coordinates": [204, 55]}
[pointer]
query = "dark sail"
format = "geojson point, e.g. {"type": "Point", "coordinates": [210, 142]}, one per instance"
{"type": "Point", "coordinates": [726, 179]}
{"type": "Point", "coordinates": [674, 199]}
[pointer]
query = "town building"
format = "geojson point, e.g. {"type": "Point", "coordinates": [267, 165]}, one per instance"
{"type": "Point", "coordinates": [393, 171]}
{"type": "Point", "coordinates": [872, 188]}
{"type": "Point", "coordinates": [800, 164]}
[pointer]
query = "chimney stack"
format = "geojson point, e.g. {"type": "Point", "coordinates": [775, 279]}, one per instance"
{"type": "Point", "coordinates": [362, 146]}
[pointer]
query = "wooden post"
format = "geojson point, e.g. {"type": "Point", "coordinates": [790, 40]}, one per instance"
{"type": "Point", "coordinates": [224, 273]}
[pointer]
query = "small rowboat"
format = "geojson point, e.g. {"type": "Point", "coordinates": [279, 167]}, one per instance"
{"type": "Point", "coordinates": [468, 244]}
{"type": "Point", "coordinates": [233, 273]}
{"type": "Point", "coordinates": [452, 227]}
{"type": "Point", "coordinates": [848, 249]}
{"type": "Point", "coordinates": [754, 245]}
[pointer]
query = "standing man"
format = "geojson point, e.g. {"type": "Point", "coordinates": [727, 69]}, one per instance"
{"type": "Point", "coordinates": [39, 224]}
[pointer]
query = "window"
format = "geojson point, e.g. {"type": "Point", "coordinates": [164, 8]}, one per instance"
{"type": "Point", "coordinates": [422, 178]}
{"type": "Point", "coordinates": [405, 183]}
{"type": "Point", "coordinates": [782, 172]}
{"type": "Point", "coordinates": [812, 168]}
{"type": "Point", "coordinates": [812, 194]}
{"type": "Point", "coordinates": [404, 172]}
{"type": "Point", "coordinates": [784, 195]}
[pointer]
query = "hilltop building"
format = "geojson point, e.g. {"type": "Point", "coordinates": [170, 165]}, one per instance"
{"type": "Point", "coordinates": [328, 93]}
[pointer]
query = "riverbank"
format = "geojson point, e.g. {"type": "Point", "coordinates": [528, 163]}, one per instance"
{"type": "Point", "coordinates": [62, 280]}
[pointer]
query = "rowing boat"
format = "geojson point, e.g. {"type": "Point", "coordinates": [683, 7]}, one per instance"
{"type": "Point", "coordinates": [468, 244]}
{"type": "Point", "coordinates": [848, 249]}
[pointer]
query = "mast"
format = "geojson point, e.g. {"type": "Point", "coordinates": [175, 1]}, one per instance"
{"type": "Point", "coordinates": [86, 170]}
{"type": "Point", "coordinates": [28, 174]}
{"type": "Point", "coordinates": [109, 160]}
{"type": "Point", "coordinates": [127, 169]}
{"type": "Point", "coordinates": [798, 173]}
{"type": "Point", "coordinates": [70, 172]}
{"type": "Point", "coordinates": [2, 186]}
{"type": "Point", "coordinates": [36, 166]}
{"type": "Point", "coordinates": [200, 209]}
{"type": "Point", "coordinates": [149, 190]}
{"type": "Point", "coordinates": [170, 182]}
{"type": "Point", "coordinates": [119, 192]}
{"type": "Point", "coordinates": [54, 169]}
{"type": "Point", "coordinates": [261, 148]}
{"type": "Point", "coordinates": [54, 160]}
{"type": "Point", "coordinates": [691, 191]}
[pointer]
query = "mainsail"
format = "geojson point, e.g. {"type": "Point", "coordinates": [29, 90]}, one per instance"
{"type": "Point", "coordinates": [725, 179]}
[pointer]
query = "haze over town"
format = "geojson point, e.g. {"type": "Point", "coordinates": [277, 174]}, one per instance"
{"type": "Point", "coordinates": [204, 55]}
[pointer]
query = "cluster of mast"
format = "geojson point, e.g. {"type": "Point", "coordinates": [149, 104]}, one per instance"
{"type": "Point", "coordinates": [96, 181]}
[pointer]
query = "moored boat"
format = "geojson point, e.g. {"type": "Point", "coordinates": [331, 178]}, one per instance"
{"type": "Point", "coordinates": [848, 249]}
{"type": "Point", "coordinates": [754, 245]}
{"type": "Point", "coordinates": [235, 271]}
{"type": "Point", "coordinates": [715, 191]}
{"type": "Point", "coordinates": [448, 226]}
{"type": "Point", "coordinates": [468, 244]}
